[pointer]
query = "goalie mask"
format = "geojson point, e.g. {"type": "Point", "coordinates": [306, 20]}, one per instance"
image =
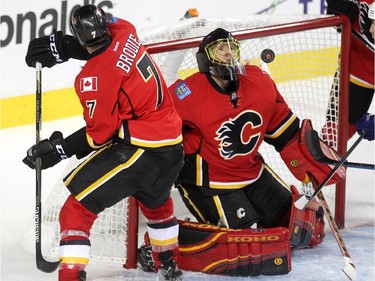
{"type": "Point", "coordinates": [219, 55]}
{"type": "Point", "coordinates": [89, 26]}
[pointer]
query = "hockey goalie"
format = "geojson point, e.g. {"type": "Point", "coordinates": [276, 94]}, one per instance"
{"type": "Point", "coordinates": [252, 249]}
{"type": "Point", "coordinates": [246, 220]}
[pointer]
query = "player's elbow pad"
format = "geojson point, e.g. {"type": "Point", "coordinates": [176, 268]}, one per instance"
{"type": "Point", "coordinates": [302, 164]}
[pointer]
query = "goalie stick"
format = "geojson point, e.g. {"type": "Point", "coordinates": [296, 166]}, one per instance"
{"type": "Point", "coordinates": [41, 263]}
{"type": "Point", "coordinates": [316, 151]}
{"type": "Point", "coordinates": [268, 56]}
{"type": "Point", "coordinates": [349, 268]}
{"type": "Point", "coordinates": [301, 202]}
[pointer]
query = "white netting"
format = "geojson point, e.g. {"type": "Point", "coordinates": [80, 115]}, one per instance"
{"type": "Point", "coordinates": [303, 69]}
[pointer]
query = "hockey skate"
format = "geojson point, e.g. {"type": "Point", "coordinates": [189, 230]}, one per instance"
{"type": "Point", "coordinates": [169, 269]}
{"type": "Point", "coordinates": [145, 260]}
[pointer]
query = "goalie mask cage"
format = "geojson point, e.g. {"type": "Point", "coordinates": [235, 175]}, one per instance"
{"type": "Point", "coordinates": [310, 70]}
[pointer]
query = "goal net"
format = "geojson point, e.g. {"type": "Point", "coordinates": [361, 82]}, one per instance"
{"type": "Point", "coordinates": [310, 72]}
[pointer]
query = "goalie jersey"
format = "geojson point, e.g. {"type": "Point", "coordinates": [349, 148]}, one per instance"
{"type": "Point", "coordinates": [221, 141]}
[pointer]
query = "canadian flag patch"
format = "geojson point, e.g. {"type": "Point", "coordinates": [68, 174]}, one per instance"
{"type": "Point", "coordinates": [89, 84]}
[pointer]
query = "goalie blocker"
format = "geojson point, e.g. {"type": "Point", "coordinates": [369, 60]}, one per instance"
{"type": "Point", "coordinates": [243, 252]}
{"type": "Point", "coordinates": [300, 162]}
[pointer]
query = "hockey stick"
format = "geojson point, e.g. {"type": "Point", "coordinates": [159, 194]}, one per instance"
{"type": "Point", "coordinates": [349, 268]}
{"type": "Point", "coordinates": [301, 202]}
{"type": "Point", "coordinates": [268, 56]}
{"type": "Point", "coordinates": [313, 144]}
{"type": "Point", "coordinates": [273, 5]}
{"type": "Point", "coordinates": [41, 263]}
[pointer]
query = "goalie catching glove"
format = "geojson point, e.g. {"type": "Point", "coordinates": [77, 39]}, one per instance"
{"type": "Point", "coordinates": [51, 151]}
{"type": "Point", "coordinates": [306, 226]}
{"type": "Point", "coordinates": [300, 162]}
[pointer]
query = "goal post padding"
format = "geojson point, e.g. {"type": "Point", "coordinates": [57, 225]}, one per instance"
{"type": "Point", "coordinates": [309, 51]}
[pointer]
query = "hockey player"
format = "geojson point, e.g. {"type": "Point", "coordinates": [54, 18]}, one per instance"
{"type": "Point", "coordinates": [228, 110]}
{"type": "Point", "coordinates": [366, 122]}
{"type": "Point", "coordinates": [132, 129]}
{"type": "Point", "coordinates": [361, 63]}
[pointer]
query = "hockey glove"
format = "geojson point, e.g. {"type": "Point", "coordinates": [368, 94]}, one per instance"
{"type": "Point", "coordinates": [306, 226]}
{"type": "Point", "coordinates": [366, 123]}
{"type": "Point", "coordinates": [343, 7]}
{"type": "Point", "coordinates": [51, 152]}
{"type": "Point", "coordinates": [300, 162]}
{"type": "Point", "coordinates": [48, 50]}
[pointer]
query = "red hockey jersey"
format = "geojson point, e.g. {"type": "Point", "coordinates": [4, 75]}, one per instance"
{"type": "Point", "coordinates": [122, 92]}
{"type": "Point", "coordinates": [222, 141]}
{"type": "Point", "coordinates": [361, 59]}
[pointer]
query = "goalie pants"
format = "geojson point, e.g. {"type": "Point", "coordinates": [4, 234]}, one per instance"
{"type": "Point", "coordinates": [262, 202]}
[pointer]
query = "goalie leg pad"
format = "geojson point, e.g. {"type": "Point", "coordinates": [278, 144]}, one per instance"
{"type": "Point", "coordinates": [300, 162]}
{"type": "Point", "coordinates": [318, 234]}
{"type": "Point", "coordinates": [234, 252]}
{"type": "Point", "coordinates": [307, 225]}
{"type": "Point", "coordinates": [224, 251]}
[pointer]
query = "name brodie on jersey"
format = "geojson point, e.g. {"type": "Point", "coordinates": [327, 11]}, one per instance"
{"type": "Point", "coordinates": [129, 52]}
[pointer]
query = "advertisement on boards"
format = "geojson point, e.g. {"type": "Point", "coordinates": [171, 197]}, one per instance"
{"type": "Point", "coordinates": [32, 19]}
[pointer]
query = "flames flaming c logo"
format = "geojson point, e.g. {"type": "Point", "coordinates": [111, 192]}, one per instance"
{"type": "Point", "coordinates": [231, 135]}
